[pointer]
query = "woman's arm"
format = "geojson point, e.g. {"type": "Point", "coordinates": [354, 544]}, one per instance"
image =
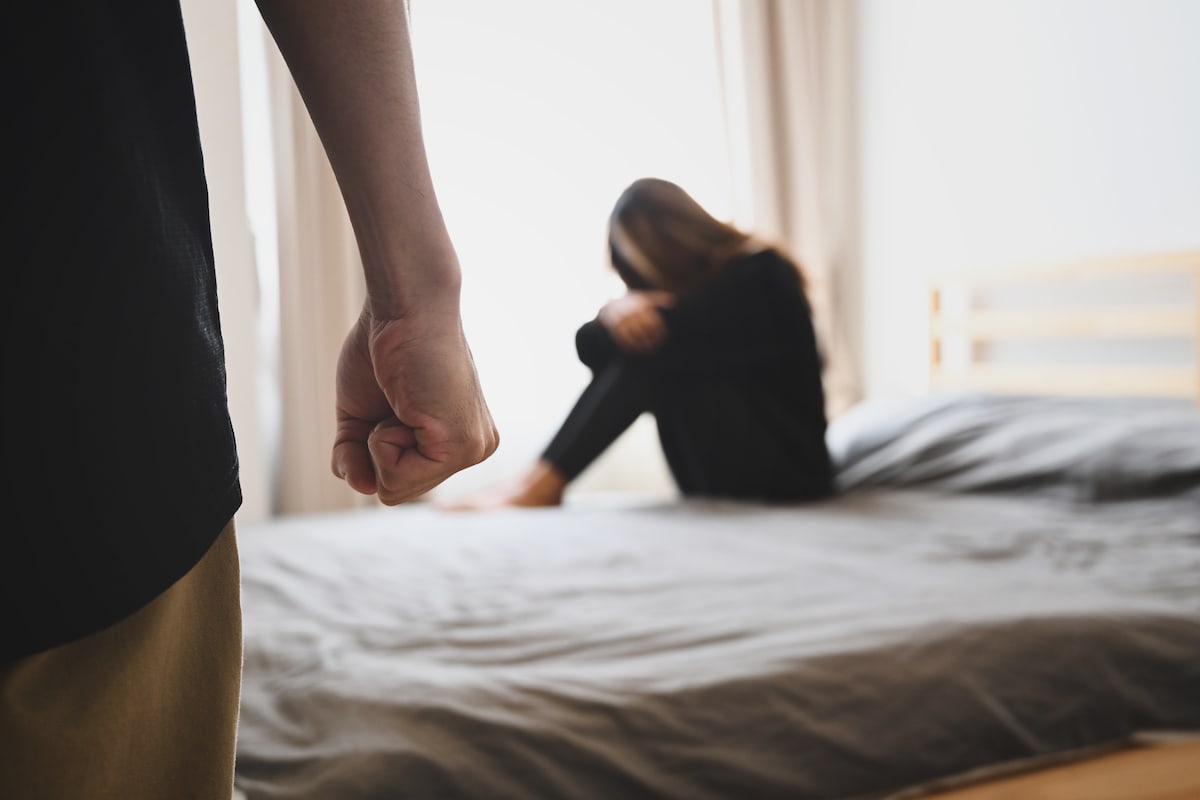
{"type": "Point", "coordinates": [635, 319]}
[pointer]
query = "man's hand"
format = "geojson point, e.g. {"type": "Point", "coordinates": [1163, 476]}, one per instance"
{"type": "Point", "coordinates": [634, 320]}
{"type": "Point", "coordinates": [410, 410]}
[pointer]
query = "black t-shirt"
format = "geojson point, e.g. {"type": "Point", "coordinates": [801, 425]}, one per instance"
{"type": "Point", "coordinates": [116, 425]}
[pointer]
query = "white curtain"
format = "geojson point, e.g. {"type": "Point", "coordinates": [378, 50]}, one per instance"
{"type": "Point", "coordinates": [788, 77]}
{"type": "Point", "coordinates": [320, 294]}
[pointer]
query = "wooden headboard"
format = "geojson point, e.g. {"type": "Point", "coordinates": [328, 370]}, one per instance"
{"type": "Point", "coordinates": [1176, 317]}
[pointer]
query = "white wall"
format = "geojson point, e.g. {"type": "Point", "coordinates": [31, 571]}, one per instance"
{"type": "Point", "coordinates": [1002, 131]}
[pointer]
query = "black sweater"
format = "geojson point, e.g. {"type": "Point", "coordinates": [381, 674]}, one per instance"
{"type": "Point", "coordinates": [741, 362]}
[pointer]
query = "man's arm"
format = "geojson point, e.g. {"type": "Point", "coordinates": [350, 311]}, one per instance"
{"type": "Point", "coordinates": [410, 408]}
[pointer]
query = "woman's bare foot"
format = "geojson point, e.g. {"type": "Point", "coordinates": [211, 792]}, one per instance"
{"type": "Point", "coordinates": [542, 485]}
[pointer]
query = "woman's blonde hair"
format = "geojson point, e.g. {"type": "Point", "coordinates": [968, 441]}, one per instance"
{"type": "Point", "coordinates": [659, 237]}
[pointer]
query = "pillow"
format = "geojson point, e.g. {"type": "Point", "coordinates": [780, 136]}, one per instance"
{"type": "Point", "coordinates": [1086, 448]}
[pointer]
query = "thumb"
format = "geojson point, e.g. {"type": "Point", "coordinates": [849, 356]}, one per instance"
{"type": "Point", "coordinates": [351, 458]}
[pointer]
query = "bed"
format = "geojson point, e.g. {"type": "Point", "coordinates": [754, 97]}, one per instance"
{"type": "Point", "coordinates": [1006, 586]}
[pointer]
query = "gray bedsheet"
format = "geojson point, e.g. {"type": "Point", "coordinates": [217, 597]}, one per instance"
{"type": "Point", "coordinates": [853, 648]}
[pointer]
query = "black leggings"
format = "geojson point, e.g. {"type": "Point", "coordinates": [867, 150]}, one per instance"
{"type": "Point", "coordinates": [713, 443]}
{"type": "Point", "coordinates": [618, 394]}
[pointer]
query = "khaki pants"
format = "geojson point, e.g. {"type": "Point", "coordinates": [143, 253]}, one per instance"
{"type": "Point", "coordinates": [143, 710]}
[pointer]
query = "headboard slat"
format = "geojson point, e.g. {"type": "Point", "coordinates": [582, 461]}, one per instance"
{"type": "Point", "coordinates": [972, 326]}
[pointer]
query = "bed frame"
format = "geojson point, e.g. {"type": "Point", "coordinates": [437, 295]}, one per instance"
{"type": "Point", "coordinates": [1164, 771]}
{"type": "Point", "coordinates": [1177, 318]}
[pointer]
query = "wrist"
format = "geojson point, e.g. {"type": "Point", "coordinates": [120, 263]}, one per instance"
{"type": "Point", "coordinates": [413, 286]}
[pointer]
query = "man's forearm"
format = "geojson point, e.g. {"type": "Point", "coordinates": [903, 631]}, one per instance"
{"type": "Point", "coordinates": [352, 63]}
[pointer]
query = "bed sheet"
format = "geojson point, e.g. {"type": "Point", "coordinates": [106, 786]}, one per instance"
{"type": "Point", "coordinates": [855, 648]}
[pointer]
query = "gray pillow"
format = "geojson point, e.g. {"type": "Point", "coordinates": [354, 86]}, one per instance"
{"type": "Point", "coordinates": [1082, 448]}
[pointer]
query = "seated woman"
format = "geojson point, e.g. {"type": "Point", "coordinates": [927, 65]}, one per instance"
{"type": "Point", "coordinates": [714, 338]}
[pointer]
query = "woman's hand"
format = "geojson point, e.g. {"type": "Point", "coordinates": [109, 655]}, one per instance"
{"type": "Point", "coordinates": [635, 320]}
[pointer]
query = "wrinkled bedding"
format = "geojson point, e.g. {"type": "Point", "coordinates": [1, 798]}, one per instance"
{"type": "Point", "coordinates": [862, 647]}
